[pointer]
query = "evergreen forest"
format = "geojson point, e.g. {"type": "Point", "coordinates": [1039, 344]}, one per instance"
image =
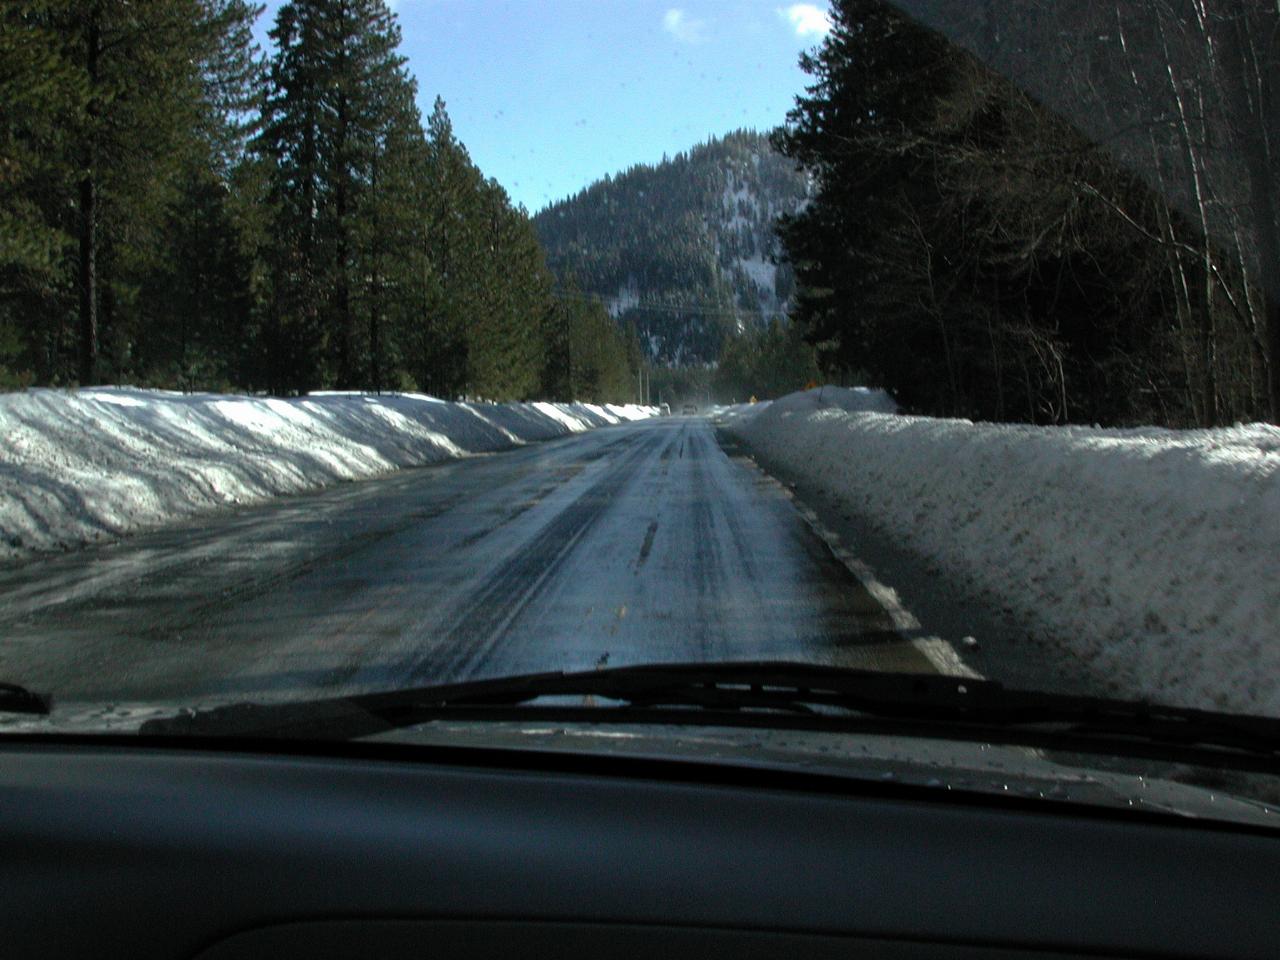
{"type": "Point", "coordinates": [1044, 212]}
{"type": "Point", "coordinates": [1001, 209]}
{"type": "Point", "coordinates": [179, 210]}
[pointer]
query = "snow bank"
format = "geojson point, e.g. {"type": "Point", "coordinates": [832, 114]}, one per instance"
{"type": "Point", "coordinates": [851, 399]}
{"type": "Point", "coordinates": [93, 464]}
{"type": "Point", "coordinates": [1153, 555]}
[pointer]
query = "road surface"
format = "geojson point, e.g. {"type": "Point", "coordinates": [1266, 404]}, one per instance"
{"type": "Point", "coordinates": [637, 543]}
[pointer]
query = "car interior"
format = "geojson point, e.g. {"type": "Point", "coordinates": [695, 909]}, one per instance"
{"type": "Point", "coordinates": [116, 847]}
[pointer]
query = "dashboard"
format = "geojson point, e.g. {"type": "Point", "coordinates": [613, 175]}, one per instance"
{"type": "Point", "coordinates": [115, 848]}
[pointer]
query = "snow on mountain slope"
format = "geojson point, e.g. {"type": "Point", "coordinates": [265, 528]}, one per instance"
{"type": "Point", "coordinates": [1151, 555]}
{"type": "Point", "coordinates": [684, 249]}
{"type": "Point", "coordinates": [80, 466]}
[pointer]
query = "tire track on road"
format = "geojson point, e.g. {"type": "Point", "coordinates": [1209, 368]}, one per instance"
{"type": "Point", "coordinates": [488, 613]}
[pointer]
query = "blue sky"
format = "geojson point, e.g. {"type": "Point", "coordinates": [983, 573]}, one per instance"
{"type": "Point", "coordinates": [550, 95]}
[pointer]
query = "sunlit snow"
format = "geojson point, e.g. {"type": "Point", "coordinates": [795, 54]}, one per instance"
{"type": "Point", "coordinates": [1152, 556]}
{"type": "Point", "coordinates": [79, 466]}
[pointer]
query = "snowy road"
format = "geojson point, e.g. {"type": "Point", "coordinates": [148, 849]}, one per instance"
{"type": "Point", "coordinates": [628, 544]}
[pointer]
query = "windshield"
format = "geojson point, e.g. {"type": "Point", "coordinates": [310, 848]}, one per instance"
{"type": "Point", "coordinates": [358, 346]}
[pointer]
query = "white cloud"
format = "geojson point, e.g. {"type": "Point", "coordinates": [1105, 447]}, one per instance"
{"type": "Point", "coordinates": [679, 24]}
{"type": "Point", "coordinates": [807, 20]}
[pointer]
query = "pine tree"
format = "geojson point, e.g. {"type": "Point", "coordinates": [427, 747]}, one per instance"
{"type": "Point", "coordinates": [114, 103]}
{"type": "Point", "coordinates": [453, 244]}
{"type": "Point", "coordinates": [195, 300]}
{"type": "Point", "coordinates": [40, 93]}
{"type": "Point", "coordinates": [142, 64]}
{"type": "Point", "coordinates": [876, 78]}
{"type": "Point", "coordinates": [513, 284]}
{"type": "Point", "coordinates": [290, 151]}
{"type": "Point", "coordinates": [389, 239]}
{"type": "Point", "coordinates": [338, 116]}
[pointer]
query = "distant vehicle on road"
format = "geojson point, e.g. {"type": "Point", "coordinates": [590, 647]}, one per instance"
{"type": "Point", "coordinates": [689, 409]}
{"type": "Point", "coordinates": [664, 409]}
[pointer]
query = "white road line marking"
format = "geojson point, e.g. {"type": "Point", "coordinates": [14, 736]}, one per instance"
{"type": "Point", "coordinates": [939, 652]}
{"type": "Point", "coordinates": [944, 657]}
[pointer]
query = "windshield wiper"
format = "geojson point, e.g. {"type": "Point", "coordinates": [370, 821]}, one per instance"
{"type": "Point", "coordinates": [779, 695]}
{"type": "Point", "coordinates": [16, 699]}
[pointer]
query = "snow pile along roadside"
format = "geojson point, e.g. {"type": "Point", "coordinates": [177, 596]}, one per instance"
{"type": "Point", "coordinates": [1151, 555]}
{"type": "Point", "coordinates": [78, 466]}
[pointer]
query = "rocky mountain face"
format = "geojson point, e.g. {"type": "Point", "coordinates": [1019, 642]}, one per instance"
{"type": "Point", "coordinates": [683, 250]}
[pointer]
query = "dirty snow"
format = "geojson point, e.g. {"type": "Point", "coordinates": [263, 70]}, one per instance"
{"type": "Point", "coordinates": [1151, 555]}
{"type": "Point", "coordinates": [87, 465]}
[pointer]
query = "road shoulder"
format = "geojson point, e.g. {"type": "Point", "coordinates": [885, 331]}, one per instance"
{"type": "Point", "coordinates": [1001, 648]}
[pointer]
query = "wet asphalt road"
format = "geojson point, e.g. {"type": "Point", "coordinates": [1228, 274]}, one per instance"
{"type": "Point", "coordinates": [637, 543]}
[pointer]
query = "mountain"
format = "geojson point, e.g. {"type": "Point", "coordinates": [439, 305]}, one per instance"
{"type": "Point", "coordinates": [685, 249]}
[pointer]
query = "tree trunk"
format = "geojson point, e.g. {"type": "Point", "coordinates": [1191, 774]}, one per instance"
{"type": "Point", "coordinates": [375, 287]}
{"type": "Point", "coordinates": [88, 266]}
{"type": "Point", "coordinates": [342, 295]}
{"type": "Point", "coordinates": [88, 281]}
{"type": "Point", "coordinates": [1203, 302]}
{"type": "Point", "coordinates": [1178, 283]}
{"type": "Point", "coordinates": [1251, 95]}
{"type": "Point", "coordinates": [347, 375]}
